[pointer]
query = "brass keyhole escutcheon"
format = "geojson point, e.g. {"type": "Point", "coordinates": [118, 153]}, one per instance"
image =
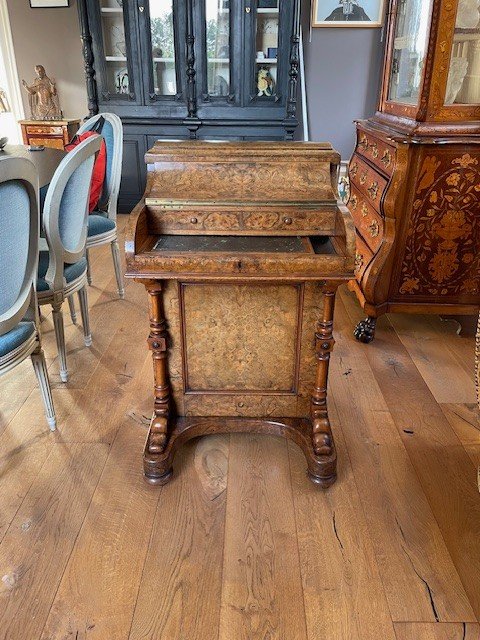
{"type": "Point", "coordinates": [363, 178]}
{"type": "Point", "coordinates": [373, 190]}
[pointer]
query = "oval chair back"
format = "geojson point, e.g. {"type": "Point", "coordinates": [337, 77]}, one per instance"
{"type": "Point", "coordinates": [112, 133]}
{"type": "Point", "coordinates": [65, 210]}
{"type": "Point", "coordinates": [19, 230]}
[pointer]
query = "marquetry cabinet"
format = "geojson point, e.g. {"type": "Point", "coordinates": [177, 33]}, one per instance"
{"type": "Point", "coordinates": [415, 172]}
{"type": "Point", "coordinates": [204, 69]}
{"type": "Point", "coordinates": [49, 133]}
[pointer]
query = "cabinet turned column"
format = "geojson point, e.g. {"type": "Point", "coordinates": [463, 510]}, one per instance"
{"type": "Point", "coordinates": [322, 433]}
{"type": "Point", "coordinates": [157, 343]}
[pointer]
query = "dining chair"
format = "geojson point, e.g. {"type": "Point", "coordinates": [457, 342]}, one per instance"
{"type": "Point", "coordinates": [102, 223]}
{"type": "Point", "coordinates": [19, 231]}
{"type": "Point", "coordinates": [62, 268]}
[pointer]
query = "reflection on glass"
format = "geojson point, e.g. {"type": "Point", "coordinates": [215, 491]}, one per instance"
{"type": "Point", "coordinates": [266, 48]}
{"type": "Point", "coordinates": [218, 47]}
{"type": "Point", "coordinates": [463, 86]}
{"type": "Point", "coordinates": [410, 45]}
{"type": "Point", "coordinates": [163, 47]}
{"type": "Point", "coordinates": [114, 46]}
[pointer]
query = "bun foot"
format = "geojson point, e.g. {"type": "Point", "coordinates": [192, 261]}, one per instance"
{"type": "Point", "coordinates": [322, 481]}
{"type": "Point", "coordinates": [365, 330]}
{"type": "Point", "coordinates": [159, 480]}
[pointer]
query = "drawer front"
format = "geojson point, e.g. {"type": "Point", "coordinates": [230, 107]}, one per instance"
{"type": "Point", "coordinates": [52, 143]}
{"type": "Point", "coordinates": [368, 222]}
{"type": "Point", "coordinates": [45, 131]}
{"type": "Point", "coordinates": [246, 222]}
{"type": "Point", "coordinates": [367, 180]}
{"type": "Point", "coordinates": [377, 151]}
{"type": "Point", "coordinates": [363, 257]}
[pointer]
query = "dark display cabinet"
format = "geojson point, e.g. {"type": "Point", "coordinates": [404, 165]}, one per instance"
{"type": "Point", "coordinates": [198, 69]}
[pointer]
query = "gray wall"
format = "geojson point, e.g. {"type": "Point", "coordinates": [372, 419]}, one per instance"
{"type": "Point", "coordinates": [50, 37]}
{"type": "Point", "coordinates": [342, 71]}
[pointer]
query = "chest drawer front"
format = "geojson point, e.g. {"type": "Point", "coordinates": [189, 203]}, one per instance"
{"type": "Point", "coordinates": [377, 151]}
{"type": "Point", "coordinates": [49, 131]}
{"type": "Point", "coordinates": [368, 222]}
{"type": "Point", "coordinates": [367, 180]}
{"type": "Point", "coordinates": [363, 257]}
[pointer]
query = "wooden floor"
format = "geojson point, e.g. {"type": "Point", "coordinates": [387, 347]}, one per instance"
{"type": "Point", "coordinates": [240, 545]}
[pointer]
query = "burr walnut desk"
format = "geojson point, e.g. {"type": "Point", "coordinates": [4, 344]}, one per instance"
{"type": "Point", "coordinates": [241, 247]}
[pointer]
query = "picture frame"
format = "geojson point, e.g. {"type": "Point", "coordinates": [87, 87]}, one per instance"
{"type": "Point", "coordinates": [49, 4]}
{"type": "Point", "coordinates": [348, 13]}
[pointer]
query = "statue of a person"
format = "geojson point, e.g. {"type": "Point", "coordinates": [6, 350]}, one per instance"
{"type": "Point", "coordinates": [43, 97]}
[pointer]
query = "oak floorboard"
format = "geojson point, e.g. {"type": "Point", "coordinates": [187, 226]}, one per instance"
{"type": "Point", "coordinates": [465, 421]}
{"type": "Point", "coordinates": [342, 588]}
{"type": "Point", "coordinates": [179, 595]}
{"type": "Point", "coordinates": [442, 631]}
{"type": "Point", "coordinates": [97, 594]}
{"type": "Point", "coordinates": [38, 543]}
{"type": "Point", "coordinates": [445, 471]}
{"type": "Point", "coordinates": [262, 592]}
{"type": "Point", "coordinates": [419, 577]}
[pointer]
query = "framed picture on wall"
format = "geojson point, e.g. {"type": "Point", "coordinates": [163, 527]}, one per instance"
{"type": "Point", "coordinates": [347, 13]}
{"type": "Point", "coordinates": [49, 4]}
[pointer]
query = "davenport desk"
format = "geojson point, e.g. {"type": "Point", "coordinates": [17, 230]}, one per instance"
{"type": "Point", "coordinates": [241, 247]}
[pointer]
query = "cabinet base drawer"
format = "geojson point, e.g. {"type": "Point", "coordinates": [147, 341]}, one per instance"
{"type": "Point", "coordinates": [363, 257]}
{"type": "Point", "coordinates": [376, 151]}
{"type": "Point", "coordinates": [367, 180]}
{"type": "Point", "coordinates": [368, 222]}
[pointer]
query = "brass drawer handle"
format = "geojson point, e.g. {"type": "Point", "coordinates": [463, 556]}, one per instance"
{"type": "Point", "coordinates": [374, 228]}
{"type": "Point", "coordinates": [363, 143]}
{"type": "Point", "coordinates": [364, 210]}
{"type": "Point", "coordinates": [387, 158]}
{"type": "Point", "coordinates": [358, 261]}
{"type": "Point", "coordinates": [373, 190]}
{"type": "Point", "coordinates": [374, 149]}
{"type": "Point", "coordinates": [363, 178]}
{"type": "Point", "coordinates": [287, 220]}
{"type": "Point", "coordinates": [193, 220]}
{"type": "Point", "coordinates": [354, 169]}
{"type": "Point", "coordinates": [353, 201]}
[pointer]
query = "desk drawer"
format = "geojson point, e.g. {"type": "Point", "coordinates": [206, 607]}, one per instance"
{"type": "Point", "coordinates": [368, 222]}
{"type": "Point", "coordinates": [377, 151]}
{"type": "Point", "coordinates": [49, 131]}
{"type": "Point", "coordinates": [363, 257]}
{"type": "Point", "coordinates": [367, 180]}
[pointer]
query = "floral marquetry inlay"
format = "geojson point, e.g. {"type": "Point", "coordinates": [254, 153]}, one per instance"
{"type": "Point", "coordinates": [440, 256]}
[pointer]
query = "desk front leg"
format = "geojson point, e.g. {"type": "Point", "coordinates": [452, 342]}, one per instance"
{"type": "Point", "coordinates": [159, 427]}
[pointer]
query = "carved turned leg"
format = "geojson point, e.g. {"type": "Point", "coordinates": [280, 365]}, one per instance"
{"type": "Point", "coordinates": [365, 330]}
{"type": "Point", "coordinates": [323, 446]}
{"type": "Point", "coordinates": [157, 343]}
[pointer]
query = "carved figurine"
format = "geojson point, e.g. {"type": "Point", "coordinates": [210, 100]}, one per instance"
{"type": "Point", "coordinates": [43, 97]}
{"type": "Point", "coordinates": [265, 82]}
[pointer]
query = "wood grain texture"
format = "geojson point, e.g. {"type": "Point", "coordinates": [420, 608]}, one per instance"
{"type": "Point", "coordinates": [446, 474]}
{"type": "Point", "coordinates": [262, 593]}
{"type": "Point", "coordinates": [36, 548]}
{"type": "Point", "coordinates": [420, 579]}
{"type": "Point", "coordinates": [180, 591]}
{"type": "Point", "coordinates": [425, 631]}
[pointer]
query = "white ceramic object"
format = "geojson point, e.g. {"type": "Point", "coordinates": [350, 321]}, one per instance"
{"type": "Point", "coordinates": [468, 15]}
{"type": "Point", "coordinates": [456, 76]}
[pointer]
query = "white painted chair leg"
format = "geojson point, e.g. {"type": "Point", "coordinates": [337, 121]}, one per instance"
{"type": "Point", "coordinates": [40, 367]}
{"type": "Point", "coordinates": [73, 313]}
{"type": "Point", "coordinates": [60, 338]}
{"type": "Point", "coordinates": [118, 268]}
{"type": "Point", "coordinates": [89, 273]}
{"type": "Point", "coordinates": [83, 300]}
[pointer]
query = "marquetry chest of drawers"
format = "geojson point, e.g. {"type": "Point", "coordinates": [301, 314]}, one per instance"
{"type": "Point", "coordinates": [241, 247]}
{"type": "Point", "coordinates": [49, 133]}
{"type": "Point", "coordinates": [415, 204]}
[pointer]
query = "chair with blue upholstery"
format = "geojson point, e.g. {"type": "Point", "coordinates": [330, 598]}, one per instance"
{"type": "Point", "coordinates": [102, 223]}
{"type": "Point", "coordinates": [62, 267]}
{"type": "Point", "coordinates": [19, 231]}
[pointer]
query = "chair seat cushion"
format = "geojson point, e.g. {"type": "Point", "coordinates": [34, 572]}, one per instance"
{"type": "Point", "coordinates": [17, 336]}
{"type": "Point", "coordinates": [98, 223]}
{"type": "Point", "coordinates": [71, 271]}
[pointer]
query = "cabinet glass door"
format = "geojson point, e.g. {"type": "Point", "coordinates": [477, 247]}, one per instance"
{"type": "Point", "coordinates": [463, 85]}
{"type": "Point", "coordinates": [116, 63]}
{"type": "Point", "coordinates": [266, 48]}
{"type": "Point", "coordinates": [162, 49]}
{"type": "Point", "coordinates": [217, 38]}
{"type": "Point", "coordinates": [410, 48]}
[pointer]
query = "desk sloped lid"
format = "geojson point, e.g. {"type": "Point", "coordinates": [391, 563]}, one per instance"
{"type": "Point", "coordinates": [242, 172]}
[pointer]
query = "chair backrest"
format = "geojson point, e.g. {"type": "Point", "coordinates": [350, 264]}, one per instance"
{"type": "Point", "coordinates": [65, 210]}
{"type": "Point", "coordinates": [19, 230]}
{"type": "Point", "coordinates": [112, 133]}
